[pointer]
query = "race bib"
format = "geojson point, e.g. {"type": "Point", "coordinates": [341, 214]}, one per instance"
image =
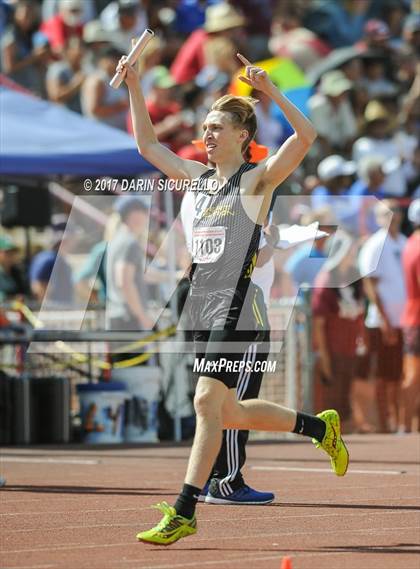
{"type": "Point", "coordinates": [208, 244]}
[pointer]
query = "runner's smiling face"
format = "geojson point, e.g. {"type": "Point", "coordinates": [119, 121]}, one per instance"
{"type": "Point", "coordinates": [221, 137]}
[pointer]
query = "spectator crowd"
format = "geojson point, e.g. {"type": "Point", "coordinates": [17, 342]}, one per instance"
{"type": "Point", "coordinates": [353, 66]}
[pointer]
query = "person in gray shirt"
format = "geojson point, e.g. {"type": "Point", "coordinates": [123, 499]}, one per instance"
{"type": "Point", "coordinates": [66, 77]}
{"type": "Point", "coordinates": [127, 296]}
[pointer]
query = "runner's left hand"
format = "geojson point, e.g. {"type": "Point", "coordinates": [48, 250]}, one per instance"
{"type": "Point", "coordinates": [255, 76]}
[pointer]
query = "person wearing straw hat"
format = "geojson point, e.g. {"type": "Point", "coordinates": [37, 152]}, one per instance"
{"type": "Point", "coordinates": [231, 204]}
{"type": "Point", "coordinates": [379, 141]}
{"type": "Point", "coordinates": [221, 20]}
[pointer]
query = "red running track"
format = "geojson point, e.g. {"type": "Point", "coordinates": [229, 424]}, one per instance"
{"type": "Point", "coordinates": [80, 508]}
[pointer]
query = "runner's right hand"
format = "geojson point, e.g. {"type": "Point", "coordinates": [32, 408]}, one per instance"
{"type": "Point", "coordinates": [131, 76]}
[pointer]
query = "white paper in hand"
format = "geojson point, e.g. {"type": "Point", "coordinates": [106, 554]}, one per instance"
{"type": "Point", "coordinates": [297, 234]}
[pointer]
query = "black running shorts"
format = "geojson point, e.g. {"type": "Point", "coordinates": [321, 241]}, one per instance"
{"type": "Point", "coordinates": [225, 323]}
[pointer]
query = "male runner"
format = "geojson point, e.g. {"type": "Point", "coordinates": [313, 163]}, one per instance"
{"type": "Point", "coordinates": [231, 205]}
{"type": "Point", "coordinates": [226, 484]}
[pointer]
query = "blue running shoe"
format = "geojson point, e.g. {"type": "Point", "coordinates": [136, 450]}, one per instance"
{"type": "Point", "coordinates": [203, 493]}
{"type": "Point", "coordinates": [244, 496]}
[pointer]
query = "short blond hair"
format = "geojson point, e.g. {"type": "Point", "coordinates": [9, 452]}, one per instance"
{"type": "Point", "coordinates": [242, 113]}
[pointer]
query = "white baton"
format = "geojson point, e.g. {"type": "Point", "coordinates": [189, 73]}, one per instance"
{"type": "Point", "coordinates": [133, 56]}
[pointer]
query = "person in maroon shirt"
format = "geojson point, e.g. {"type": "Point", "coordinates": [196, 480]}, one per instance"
{"type": "Point", "coordinates": [64, 25]}
{"type": "Point", "coordinates": [410, 321]}
{"type": "Point", "coordinates": [338, 323]}
{"type": "Point", "coordinates": [221, 20]}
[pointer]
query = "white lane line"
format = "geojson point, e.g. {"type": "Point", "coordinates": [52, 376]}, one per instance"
{"type": "Point", "coordinates": [214, 520]}
{"type": "Point", "coordinates": [351, 471]}
{"type": "Point", "coordinates": [279, 502]}
{"type": "Point", "coordinates": [76, 512]}
{"type": "Point", "coordinates": [49, 460]}
{"type": "Point", "coordinates": [71, 546]}
{"type": "Point", "coordinates": [30, 567]}
{"type": "Point", "coordinates": [256, 559]}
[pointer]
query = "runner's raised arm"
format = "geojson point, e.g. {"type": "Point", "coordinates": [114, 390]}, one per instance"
{"type": "Point", "coordinates": [149, 147]}
{"type": "Point", "coordinates": [279, 166]}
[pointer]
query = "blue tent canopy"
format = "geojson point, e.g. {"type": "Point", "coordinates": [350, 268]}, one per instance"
{"type": "Point", "coordinates": [42, 138]}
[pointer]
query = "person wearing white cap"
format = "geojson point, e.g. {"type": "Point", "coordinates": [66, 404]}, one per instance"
{"type": "Point", "coordinates": [125, 17]}
{"type": "Point", "coordinates": [371, 173]}
{"type": "Point", "coordinates": [335, 174]}
{"type": "Point", "coordinates": [411, 321]}
{"type": "Point", "coordinates": [124, 20]}
{"type": "Point", "coordinates": [332, 114]}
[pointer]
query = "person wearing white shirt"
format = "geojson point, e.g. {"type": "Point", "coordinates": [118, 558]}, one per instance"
{"type": "Point", "coordinates": [331, 112]}
{"type": "Point", "coordinates": [380, 261]}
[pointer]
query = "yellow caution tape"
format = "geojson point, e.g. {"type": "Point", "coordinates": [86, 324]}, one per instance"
{"type": "Point", "coordinates": [82, 358]}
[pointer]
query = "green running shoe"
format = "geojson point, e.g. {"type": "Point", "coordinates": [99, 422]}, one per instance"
{"type": "Point", "coordinates": [332, 442]}
{"type": "Point", "coordinates": [171, 528]}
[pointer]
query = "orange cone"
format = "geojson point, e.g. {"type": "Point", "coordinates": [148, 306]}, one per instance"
{"type": "Point", "coordinates": [286, 563]}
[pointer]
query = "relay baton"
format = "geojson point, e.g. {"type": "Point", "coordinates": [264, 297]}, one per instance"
{"type": "Point", "coordinates": [133, 56]}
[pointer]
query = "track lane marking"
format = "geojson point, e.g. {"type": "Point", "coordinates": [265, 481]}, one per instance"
{"type": "Point", "coordinates": [78, 461]}
{"type": "Point", "coordinates": [72, 546]}
{"type": "Point", "coordinates": [215, 520]}
{"type": "Point", "coordinates": [302, 469]}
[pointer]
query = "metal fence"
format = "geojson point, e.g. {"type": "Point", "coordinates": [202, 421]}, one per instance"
{"type": "Point", "coordinates": [290, 384]}
{"type": "Point", "coordinates": [291, 349]}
